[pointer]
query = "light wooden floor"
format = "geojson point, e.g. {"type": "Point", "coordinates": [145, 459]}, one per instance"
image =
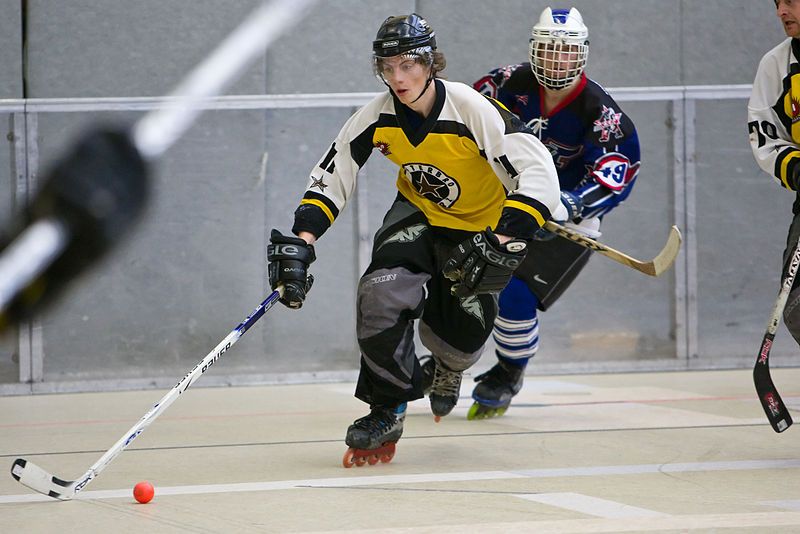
{"type": "Point", "coordinates": [657, 452]}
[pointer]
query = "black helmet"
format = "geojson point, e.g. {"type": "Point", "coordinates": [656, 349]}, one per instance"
{"type": "Point", "coordinates": [403, 33]}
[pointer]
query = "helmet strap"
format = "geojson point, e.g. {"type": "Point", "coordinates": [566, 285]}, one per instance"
{"type": "Point", "coordinates": [427, 83]}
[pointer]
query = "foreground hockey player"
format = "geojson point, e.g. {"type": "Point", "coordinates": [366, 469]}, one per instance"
{"type": "Point", "coordinates": [596, 151]}
{"type": "Point", "coordinates": [448, 244]}
{"type": "Point", "coordinates": [772, 116]}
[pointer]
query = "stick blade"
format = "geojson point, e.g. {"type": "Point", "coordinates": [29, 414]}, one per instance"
{"type": "Point", "coordinates": [37, 479]}
{"type": "Point", "coordinates": [776, 411]}
{"type": "Point", "coordinates": [669, 253]}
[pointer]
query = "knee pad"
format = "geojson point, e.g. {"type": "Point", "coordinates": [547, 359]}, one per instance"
{"type": "Point", "coordinates": [791, 314]}
{"type": "Point", "coordinates": [454, 359]}
{"type": "Point", "coordinates": [386, 296]}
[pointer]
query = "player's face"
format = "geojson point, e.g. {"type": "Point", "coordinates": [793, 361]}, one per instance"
{"type": "Point", "coordinates": [559, 61]}
{"type": "Point", "coordinates": [789, 13]}
{"type": "Point", "coordinates": [406, 76]}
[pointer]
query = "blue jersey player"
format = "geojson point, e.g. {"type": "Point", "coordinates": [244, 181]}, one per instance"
{"type": "Point", "coordinates": [596, 152]}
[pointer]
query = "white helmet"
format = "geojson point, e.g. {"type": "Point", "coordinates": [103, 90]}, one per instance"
{"type": "Point", "coordinates": [558, 48]}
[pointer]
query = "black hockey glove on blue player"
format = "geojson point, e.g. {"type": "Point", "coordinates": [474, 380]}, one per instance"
{"type": "Point", "coordinates": [574, 205]}
{"type": "Point", "coordinates": [289, 258]}
{"type": "Point", "coordinates": [482, 265]}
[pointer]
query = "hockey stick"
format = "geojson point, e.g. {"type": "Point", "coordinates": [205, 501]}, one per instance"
{"type": "Point", "coordinates": [152, 135]}
{"type": "Point", "coordinates": [36, 478]}
{"type": "Point", "coordinates": [773, 405]}
{"type": "Point", "coordinates": [44, 241]}
{"type": "Point", "coordinates": [655, 267]}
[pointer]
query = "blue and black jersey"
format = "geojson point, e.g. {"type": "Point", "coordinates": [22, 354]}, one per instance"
{"type": "Point", "coordinates": [593, 143]}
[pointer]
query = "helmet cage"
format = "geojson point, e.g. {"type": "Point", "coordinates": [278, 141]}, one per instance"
{"type": "Point", "coordinates": [559, 48]}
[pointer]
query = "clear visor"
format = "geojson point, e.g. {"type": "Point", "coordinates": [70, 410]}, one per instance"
{"type": "Point", "coordinates": [423, 56]}
{"type": "Point", "coordinates": [557, 64]}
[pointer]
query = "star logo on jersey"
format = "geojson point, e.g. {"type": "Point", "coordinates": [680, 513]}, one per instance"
{"type": "Point", "coordinates": [473, 307]}
{"type": "Point", "coordinates": [609, 124]}
{"type": "Point", "coordinates": [432, 183]}
{"type": "Point", "coordinates": [383, 147]}
{"type": "Point", "coordinates": [406, 235]}
{"type": "Point", "coordinates": [318, 183]}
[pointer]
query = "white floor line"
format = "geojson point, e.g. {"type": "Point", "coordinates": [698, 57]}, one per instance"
{"type": "Point", "coordinates": [757, 521]}
{"type": "Point", "coordinates": [785, 505]}
{"type": "Point", "coordinates": [588, 505]}
{"type": "Point", "coordinates": [367, 480]}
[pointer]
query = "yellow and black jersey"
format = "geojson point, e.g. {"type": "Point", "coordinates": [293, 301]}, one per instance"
{"type": "Point", "coordinates": [470, 164]}
{"type": "Point", "coordinates": [773, 113]}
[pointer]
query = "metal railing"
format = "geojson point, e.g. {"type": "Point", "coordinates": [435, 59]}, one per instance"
{"type": "Point", "coordinates": [681, 101]}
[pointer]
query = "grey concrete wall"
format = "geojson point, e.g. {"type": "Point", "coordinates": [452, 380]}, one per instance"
{"type": "Point", "coordinates": [11, 49]}
{"type": "Point", "coordinates": [195, 266]}
{"type": "Point", "coordinates": [9, 371]}
{"type": "Point", "coordinates": [84, 48]}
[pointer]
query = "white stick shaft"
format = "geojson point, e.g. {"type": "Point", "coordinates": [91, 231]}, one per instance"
{"type": "Point", "coordinates": [29, 255]}
{"type": "Point", "coordinates": [159, 129]}
{"type": "Point", "coordinates": [182, 385]}
{"type": "Point", "coordinates": [156, 410]}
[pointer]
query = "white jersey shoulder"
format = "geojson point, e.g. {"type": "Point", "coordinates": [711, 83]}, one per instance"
{"type": "Point", "coordinates": [773, 116]}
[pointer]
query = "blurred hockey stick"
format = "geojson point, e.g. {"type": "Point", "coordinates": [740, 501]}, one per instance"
{"type": "Point", "coordinates": [40, 480]}
{"type": "Point", "coordinates": [95, 193]}
{"type": "Point", "coordinates": [771, 401]}
{"type": "Point", "coordinates": [55, 238]}
{"type": "Point", "coordinates": [655, 267]}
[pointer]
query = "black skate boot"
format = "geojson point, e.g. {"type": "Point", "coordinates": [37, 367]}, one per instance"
{"type": "Point", "coordinates": [496, 387]}
{"type": "Point", "coordinates": [444, 390]}
{"type": "Point", "coordinates": [372, 438]}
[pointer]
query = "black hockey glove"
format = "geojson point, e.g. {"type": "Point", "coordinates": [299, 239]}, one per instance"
{"type": "Point", "coordinates": [574, 206]}
{"type": "Point", "coordinates": [796, 178]}
{"type": "Point", "coordinates": [289, 258]}
{"type": "Point", "coordinates": [482, 265]}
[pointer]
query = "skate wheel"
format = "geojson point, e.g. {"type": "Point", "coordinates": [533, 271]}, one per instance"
{"type": "Point", "coordinates": [348, 460]}
{"type": "Point", "coordinates": [387, 452]}
{"type": "Point", "coordinates": [437, 418]}
{"type": "Point", "coordinates": [373, 459]}
{"type": "Point", "coordinates": [360, 460]}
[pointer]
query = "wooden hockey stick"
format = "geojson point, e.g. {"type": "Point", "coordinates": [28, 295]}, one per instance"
{"type": "Point", "coordinates": [655, 267]}
{"type": "Point", "coordinates": [771, 401]}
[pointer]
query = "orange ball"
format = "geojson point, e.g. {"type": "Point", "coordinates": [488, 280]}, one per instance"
{"type": "Point", "coordinates": [143, 492]}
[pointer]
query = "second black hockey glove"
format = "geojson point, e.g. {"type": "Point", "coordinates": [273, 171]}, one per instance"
{"type": "Point", "coordinates": [482, 265]}
{"type": "Point", "coordinates": [289, 258]}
